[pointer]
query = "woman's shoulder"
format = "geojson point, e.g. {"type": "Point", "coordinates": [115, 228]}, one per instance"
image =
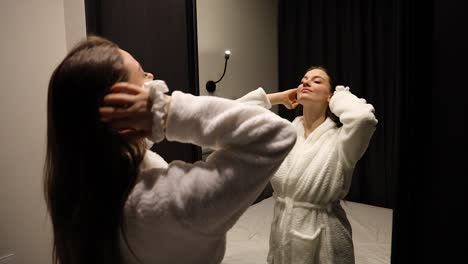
{"type": "Point", "coordinates": [149, 195]}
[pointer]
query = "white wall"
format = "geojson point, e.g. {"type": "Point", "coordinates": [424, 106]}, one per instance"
{"type": "Point", "coordinates": [34, 40]}
{"type": "Point", "coordinates": [75, 24]}
{"type": "Point", "coordinates": [249, 29]}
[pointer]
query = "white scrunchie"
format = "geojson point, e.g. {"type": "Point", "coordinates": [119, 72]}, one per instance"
{"type": "Point", "coordinates": [341, 88]}
{"type": "Point", "coordinates": [158, 107]}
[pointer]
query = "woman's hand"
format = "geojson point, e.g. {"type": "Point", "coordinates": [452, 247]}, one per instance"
{"type": "Point", "coordinates": [290, 98]}
{"type": "Point", "coordinates": [127, 109]}
{"type": "Point", "coordinates": [287, 98]}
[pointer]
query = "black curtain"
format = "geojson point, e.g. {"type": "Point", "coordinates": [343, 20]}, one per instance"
{"type": "Point", "coordinates": [364, 45]}
{"type": "Point", "coordinates": [429, 222]}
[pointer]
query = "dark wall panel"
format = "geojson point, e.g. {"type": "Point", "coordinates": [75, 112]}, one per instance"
{"type": "Point", "coordinates": [161, 35]}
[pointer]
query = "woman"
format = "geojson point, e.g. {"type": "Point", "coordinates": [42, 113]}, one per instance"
{"type": "Point", "coordinates": [309, 225]}
{"type": "Point", "coordinates": [111, 200]}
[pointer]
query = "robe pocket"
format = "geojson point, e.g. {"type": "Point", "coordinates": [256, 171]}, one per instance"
{"type": "Point", "coordinates": [305, 247]}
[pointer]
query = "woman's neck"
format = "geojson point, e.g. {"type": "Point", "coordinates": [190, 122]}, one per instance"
{"type": "Point", "coordinates": [312, 118]}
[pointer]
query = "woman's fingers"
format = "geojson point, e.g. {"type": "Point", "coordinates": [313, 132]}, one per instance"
{"type": "Point", "coordinates": [292, 105]}
{"type": "Point", "coordinates": [290, 98]}
{"type": "Point", "coordinates": [128, 88]}
{"type": "Point", "coordinates": [121, 119]}
{"type": "Point", "coordinates": [109, 113]}
{"type": "Point", "coordinates": [126, 107]}
{"type": "Point", "coordinates": [292, 94]}
{"type": "Point", "coordinates": [119, 100]}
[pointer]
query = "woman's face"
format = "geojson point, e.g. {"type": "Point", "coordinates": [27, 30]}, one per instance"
{"type": "Point", "coordinates": [314, 88]}
{"type": "Point", "coordinates": [136, 74]}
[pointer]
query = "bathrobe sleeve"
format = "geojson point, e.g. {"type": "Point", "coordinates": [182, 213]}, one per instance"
{"type": "Point", "coordinates": [256, 97]}
{"type": "Point", "coordinates": [249, 142]}
{"type": "Point", "coordinates": [359, 124]}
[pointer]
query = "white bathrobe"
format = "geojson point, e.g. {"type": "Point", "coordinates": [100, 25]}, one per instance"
{"type": "Point", "coordinates": [179, 213]}
{"type": "Point", "coordinates": [309, 226]}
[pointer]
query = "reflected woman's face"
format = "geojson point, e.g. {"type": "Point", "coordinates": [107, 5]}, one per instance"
{"type": "Point", "coordinates": [136, 73]}
{"type": "Point", "coordinates": [314, 88]}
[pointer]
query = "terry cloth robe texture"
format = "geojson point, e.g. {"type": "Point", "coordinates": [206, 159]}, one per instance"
{"type": "Point", "coordinates": [179, 213]}
{"type": "Point", "coordinates": [309, 226]}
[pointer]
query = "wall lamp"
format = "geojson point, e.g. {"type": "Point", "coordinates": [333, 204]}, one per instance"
{"type": "Point", "coordinates": [211, 85]}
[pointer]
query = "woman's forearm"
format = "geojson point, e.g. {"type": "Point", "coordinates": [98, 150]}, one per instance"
{"type": "Point", "coordinates": [275, 98]}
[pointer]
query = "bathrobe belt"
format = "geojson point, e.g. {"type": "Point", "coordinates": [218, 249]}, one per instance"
{"type": "Point", "coordinates": [290, 204]}
{"type": "Point", "coordinates": [287, 215]}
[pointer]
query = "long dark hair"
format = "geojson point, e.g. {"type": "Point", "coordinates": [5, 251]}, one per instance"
{"type": "Point", "coordinates": [89, 169]}
{"type": "Point", "coordinates": [299, 109]}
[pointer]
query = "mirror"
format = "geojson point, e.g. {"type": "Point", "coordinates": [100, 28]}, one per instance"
{"type": "Point", "coordinates": [258, 34]}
